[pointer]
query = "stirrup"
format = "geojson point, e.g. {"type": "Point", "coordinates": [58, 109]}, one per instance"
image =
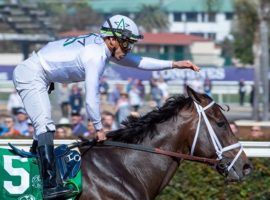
{"type": "Point", "coordinates": [51, 194]}
{"type": "Point", "coordinates": [21, 152]}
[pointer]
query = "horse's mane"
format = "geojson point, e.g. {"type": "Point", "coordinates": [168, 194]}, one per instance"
{"type": "Point", "coordinates": [135, 129]}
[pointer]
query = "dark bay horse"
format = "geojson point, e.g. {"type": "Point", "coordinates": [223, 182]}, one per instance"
{"type": "Point", "coordinates": [193, 125]}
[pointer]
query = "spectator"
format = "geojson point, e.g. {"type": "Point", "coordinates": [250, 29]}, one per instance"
{"type": "Point", "coordinates": [114, 96]}
{"type": "Point", "coordinates": [162, 85]}
{"type": "Point", "coordinates": [64, 99]}
{"type": "Point", "coordinates": [108, 121]}
{"type": "Point", "coordinates": [60, 133]}
{"type": "Point", "coordinates": [31, 129]}
{"type": "Point", "coordinates": [207, 86]}
{"type": "Point", "coordinates": [122, 108]}
{"type": "Point", "coordinates": [234, 127]}
{"type": "Point", "coordinates": [10, 129]}
{"type": "Point", "coordinates": [76, 99]}
{"type": "Point", "coordinates": [64, 123]}
{"type": "Point", "coordinates": [14, 102]}
{"type": "Point", "coordinates": [90, 130]}
{"type": "Point", "coordinates": [21, 123]}
{"type": "Point", "coordinates": [134, 98]}
{"type": "Point", "coordinates": [251, 99]}
{"type": "Point", "coordinates": [78, 128]}
{"type": "Point", "coordinates": [103, 88]}
{"type": "Point", "coordinates": [256, 132]}
{"type": "Point", "coordinates": [156, 93]}
{"type": "Point", "coordinates": [3, 127]}
{"type": "Point", "coordinates": [197, 85]}
{"type": "Point", "coordinates": [129, 84]}
{"type": "Point", "coordinates": [140, 87]}
{"type": "Point", "coordinates": [242, 91]}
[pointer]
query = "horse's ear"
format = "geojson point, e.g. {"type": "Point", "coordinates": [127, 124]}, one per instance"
{"type": "Point", "coordinates": [194, 95]}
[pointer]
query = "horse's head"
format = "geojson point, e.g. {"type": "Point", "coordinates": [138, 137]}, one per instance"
{"type": "Point", "coordinates": [213, 138]}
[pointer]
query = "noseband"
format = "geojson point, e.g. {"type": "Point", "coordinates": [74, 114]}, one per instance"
{"type": "Point", "coordinates": [217, 145]}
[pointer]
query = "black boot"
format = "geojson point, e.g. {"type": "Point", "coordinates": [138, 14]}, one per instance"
{"type": "Point", "coordinates": [33, 148]}
{"type": "Point", "coordinates": [51, 190]}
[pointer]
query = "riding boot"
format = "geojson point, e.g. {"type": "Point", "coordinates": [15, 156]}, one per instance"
{"type": "Point", "coordinates": [33, 148]}
{"type": "Point", "coordinates": [51, 190]}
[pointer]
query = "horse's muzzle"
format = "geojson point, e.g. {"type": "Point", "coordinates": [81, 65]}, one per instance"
{"type": "Point", "coordinates": [247, 169]}
{"type": "Point", "coordinates": [233, 175]}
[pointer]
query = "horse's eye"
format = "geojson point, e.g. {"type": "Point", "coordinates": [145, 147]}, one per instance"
{"type": "Point", "coordinates": [220, 124]}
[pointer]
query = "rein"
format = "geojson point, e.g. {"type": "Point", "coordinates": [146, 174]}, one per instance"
{"type": "Point", "coordinates": [160, 151]}
{"type": "Point", "coordinates": [148, 149]}
{"type": "Point", "coordinates": [215, 141]}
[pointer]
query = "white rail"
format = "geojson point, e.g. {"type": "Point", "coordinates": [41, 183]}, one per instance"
{"type": "Point", "coordinates": [256, 149]}
{"type": "Point", "coordinates": [252, 149]}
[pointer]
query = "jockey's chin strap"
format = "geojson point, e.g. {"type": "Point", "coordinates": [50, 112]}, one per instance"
{"type": "Point", "coordinates": [214, 138]}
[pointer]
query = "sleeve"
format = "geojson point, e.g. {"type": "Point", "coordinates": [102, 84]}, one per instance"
{"type": "Point", "coordinates": [145, 63]}
{"type": "Point", "coordinates": [92, 69]}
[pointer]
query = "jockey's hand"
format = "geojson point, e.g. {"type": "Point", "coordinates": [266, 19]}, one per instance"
{"type": "Point", "coordinates": [185, 64]}
{"type": "Point", "coordinates": [101, 136]}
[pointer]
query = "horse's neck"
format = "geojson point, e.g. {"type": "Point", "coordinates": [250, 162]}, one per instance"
{"type": "Point", "coordinates": [170, 137]}
{"type": "Point", "coordinates": [144, 174]}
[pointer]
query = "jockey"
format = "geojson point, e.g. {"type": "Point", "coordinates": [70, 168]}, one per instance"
{"type": "Point", "coordinates": [82, 58]}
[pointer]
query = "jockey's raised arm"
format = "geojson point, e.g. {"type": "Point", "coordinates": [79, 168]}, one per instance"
{"type": "Point", "coordinates": [145, 63]}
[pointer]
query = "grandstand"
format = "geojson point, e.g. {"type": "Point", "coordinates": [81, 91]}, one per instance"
{"type": "Point", "coordinates": [25, 23]}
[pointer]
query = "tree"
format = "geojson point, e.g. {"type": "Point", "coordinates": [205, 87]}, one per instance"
{"type": "Point", "coordinates": [251, 46]}
{"type": "Point", "coordinates": [244, 30]}
{"type": "Point", "coordinates": [152, 17]}
{"type": "Point", "coordinates": [264, 16]}
{"type": "Point", "coordinates": [72, 15]}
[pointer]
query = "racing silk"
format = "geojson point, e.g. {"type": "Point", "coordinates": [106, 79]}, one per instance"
{"type": "Point", "coordinates": [83, 58]}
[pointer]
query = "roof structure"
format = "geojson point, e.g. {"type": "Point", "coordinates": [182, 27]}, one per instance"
{"type": "Point", "coordinates": [199, 6]}
{"type": "Point", "coordinates": [120, 6]}
{"type": "Point", "coordinates": [25, 22]}
{"type": "Point", "coordinates": [178, 39]}
{"type": "Point", "coordinates": [130, 6]}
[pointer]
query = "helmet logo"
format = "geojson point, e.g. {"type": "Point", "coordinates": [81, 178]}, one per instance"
{"type": "Point", "coordinates": [121, 24]}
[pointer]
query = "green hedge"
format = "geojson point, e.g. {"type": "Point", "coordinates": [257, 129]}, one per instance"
{"type": "Point", "coordinates": [198, 181]}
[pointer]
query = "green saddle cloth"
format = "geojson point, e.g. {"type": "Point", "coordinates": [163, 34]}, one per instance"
{"type": "Point", "coordinates": [20, 179]}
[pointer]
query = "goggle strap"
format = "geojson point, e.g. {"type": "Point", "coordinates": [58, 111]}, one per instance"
{"type": "Point", "coordinates": [126, 33]}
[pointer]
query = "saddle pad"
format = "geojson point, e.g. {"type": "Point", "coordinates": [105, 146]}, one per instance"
{"type": "Point", "coordinates": [20, 179]}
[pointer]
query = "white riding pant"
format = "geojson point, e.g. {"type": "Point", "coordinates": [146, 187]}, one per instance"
{"type": "Point", "coordinates": [31, 84]}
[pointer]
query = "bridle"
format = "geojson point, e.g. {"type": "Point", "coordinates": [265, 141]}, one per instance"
{"type": "Point", "coordinates": [223, 168]}
{"type": "Point", "coordinates": [217, 145]}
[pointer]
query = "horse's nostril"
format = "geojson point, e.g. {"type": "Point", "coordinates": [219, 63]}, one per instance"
{"type": "Point", "coordinates": [247, 168]}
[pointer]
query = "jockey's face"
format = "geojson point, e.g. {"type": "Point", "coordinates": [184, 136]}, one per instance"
{"type": "Point", "coordinates": [119, 53]}
{"type": "Point", "coordinates": [119, 48]}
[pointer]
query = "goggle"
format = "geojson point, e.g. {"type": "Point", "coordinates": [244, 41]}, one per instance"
{"type": "Point", "coordinates": [126, 45]}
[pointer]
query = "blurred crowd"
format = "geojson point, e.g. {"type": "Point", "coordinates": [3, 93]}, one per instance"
{"type": "Point", "coordinates": [116, 104]}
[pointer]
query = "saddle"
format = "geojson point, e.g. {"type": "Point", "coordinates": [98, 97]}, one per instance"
{"type": "Point", "coordinates": [68, 161]}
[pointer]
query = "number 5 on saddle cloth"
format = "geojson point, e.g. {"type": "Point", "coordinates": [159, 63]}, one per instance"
{"type": "Point", "coordinates": [15, 186]}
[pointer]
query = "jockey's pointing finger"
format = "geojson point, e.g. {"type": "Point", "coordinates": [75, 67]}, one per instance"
{"type": "Point", "coordinates": [195, 68]}
{"type": "Point", "coordinates": [185, 64]}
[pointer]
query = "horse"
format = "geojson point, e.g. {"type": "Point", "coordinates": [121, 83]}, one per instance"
{"type": "Point", "coordinates": [193, 125]}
